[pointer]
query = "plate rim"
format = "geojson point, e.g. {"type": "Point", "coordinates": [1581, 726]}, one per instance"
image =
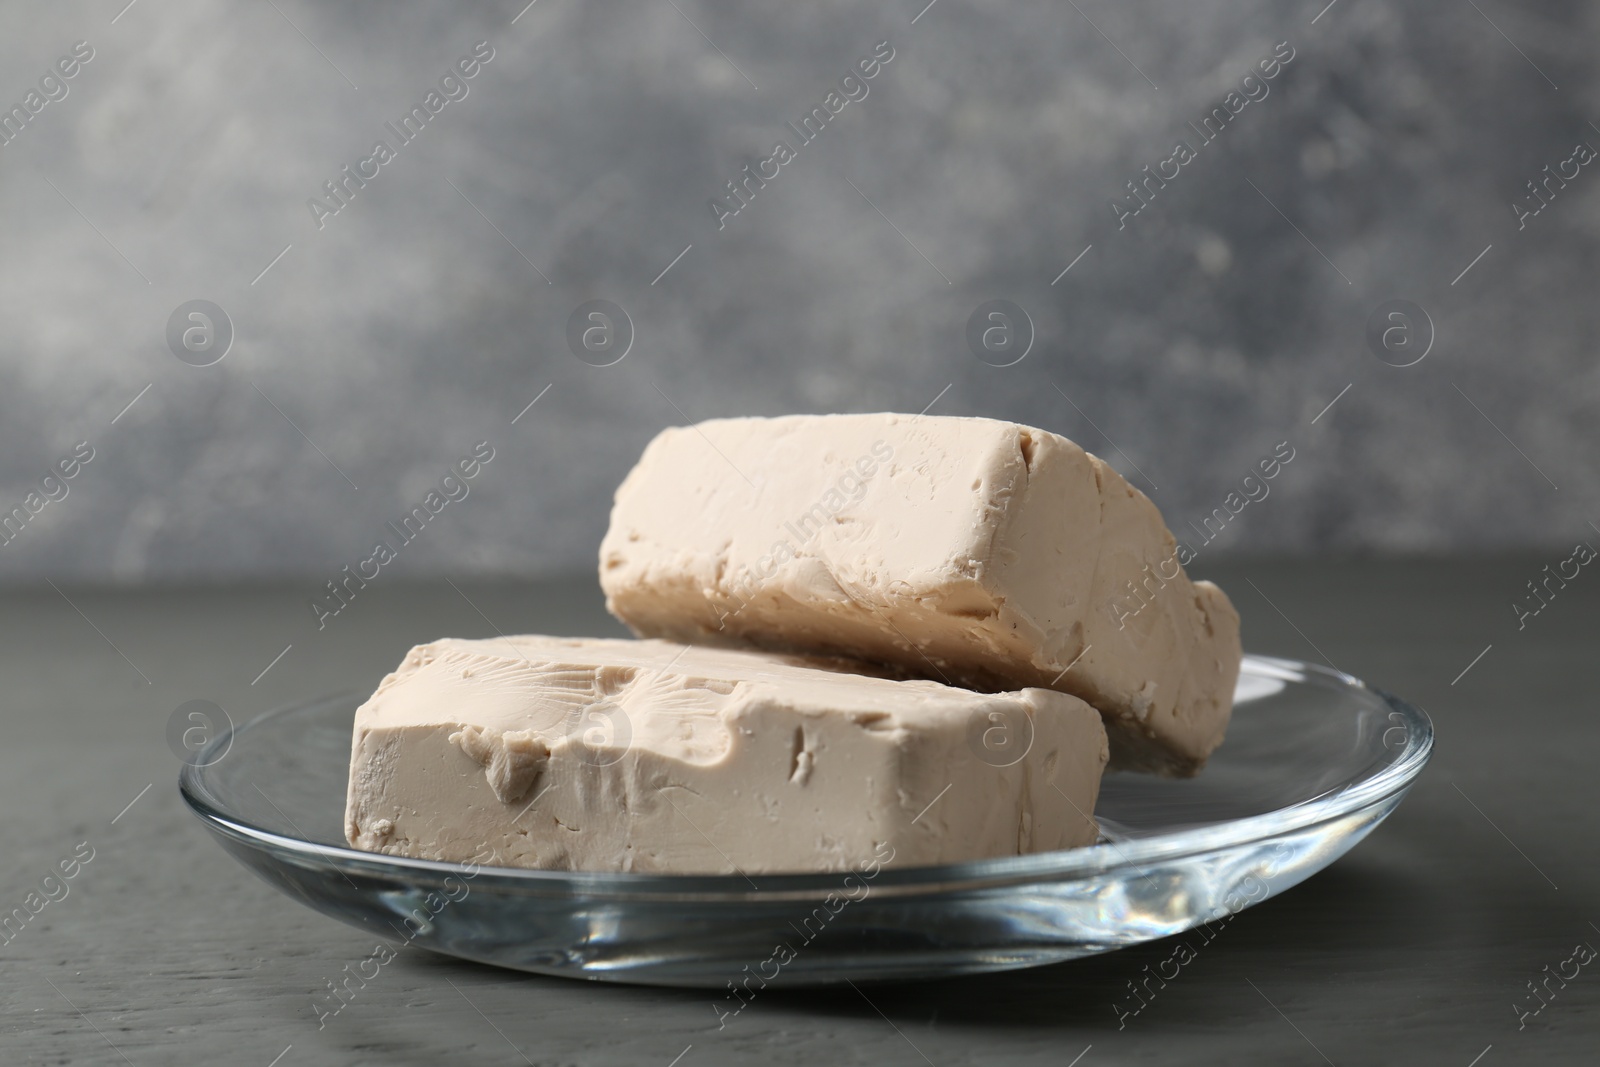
{"type": "Point", "coordinates": [1101, 859]}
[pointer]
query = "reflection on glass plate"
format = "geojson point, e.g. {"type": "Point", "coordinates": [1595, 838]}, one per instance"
{"type": "Point", "coordinates": [1313, 761]}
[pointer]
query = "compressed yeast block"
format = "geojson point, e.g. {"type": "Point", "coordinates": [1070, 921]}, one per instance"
{"type": "Point", "coordinates": [982, 553]}
{"type": "Point", "coordinates": [619, 755]}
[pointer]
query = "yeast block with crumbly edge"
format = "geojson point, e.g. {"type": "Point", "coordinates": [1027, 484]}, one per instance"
{"type": "Point", "coordinates": [981, 553]}
{"type": "Point", "coordinates": [618, 755]}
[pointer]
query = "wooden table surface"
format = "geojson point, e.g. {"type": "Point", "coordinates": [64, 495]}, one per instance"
{"type": "Point", "coordinates": [1417, 948]}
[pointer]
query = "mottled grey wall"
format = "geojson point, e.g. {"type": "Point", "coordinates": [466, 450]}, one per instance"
{"type": "Point", "coordinates": [1219, 321]}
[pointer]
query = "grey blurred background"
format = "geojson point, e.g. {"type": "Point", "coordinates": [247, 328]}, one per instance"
{"type": "Point", "coordinates": [371, 354]}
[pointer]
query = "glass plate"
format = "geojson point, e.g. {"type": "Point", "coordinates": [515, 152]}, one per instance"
{"type": "Point", "coordinates": [1313, 761]}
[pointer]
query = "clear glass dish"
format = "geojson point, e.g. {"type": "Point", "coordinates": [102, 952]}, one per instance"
{"type": "Point", "coordinates": [1313, 761]}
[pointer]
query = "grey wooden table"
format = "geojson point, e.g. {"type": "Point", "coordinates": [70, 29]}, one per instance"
{"type": "Point", "coordinates": [1415, 948]}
